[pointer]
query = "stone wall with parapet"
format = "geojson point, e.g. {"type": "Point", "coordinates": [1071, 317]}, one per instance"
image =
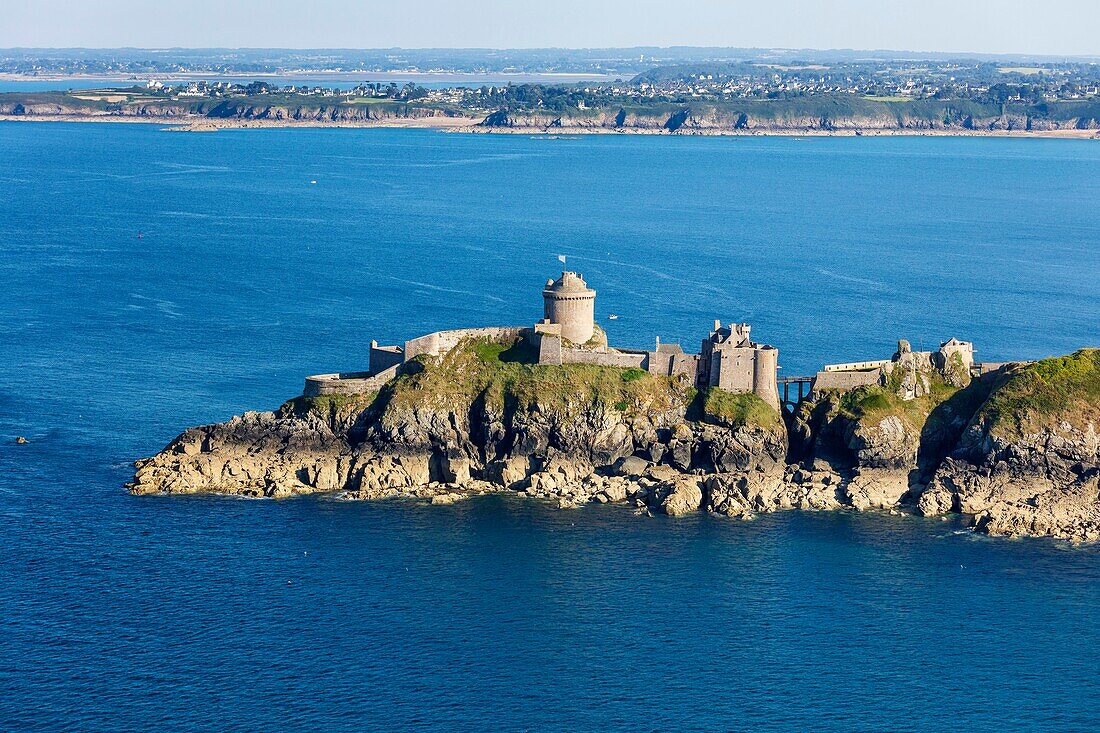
{"type": "Point", "coordinates": [846, 380]}
{"type": "Point", "coordinates": [348, 383]}
{"type": "Point", "coordinates": [443, 341]}
{"type": "Point", "coordinates": [384, 357]}
{"type": "Point", "coordinates": [622, 359]}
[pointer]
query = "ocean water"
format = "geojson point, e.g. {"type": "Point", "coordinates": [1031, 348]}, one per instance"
{"type": "Point", "coordinates": [120, 613]}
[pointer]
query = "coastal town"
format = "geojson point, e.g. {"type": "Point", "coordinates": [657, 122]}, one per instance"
{"type": "Point", "coordinates": [980, 82]}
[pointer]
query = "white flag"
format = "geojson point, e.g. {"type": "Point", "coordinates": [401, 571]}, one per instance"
{"type": "Point", "coordinates": [561, 259]}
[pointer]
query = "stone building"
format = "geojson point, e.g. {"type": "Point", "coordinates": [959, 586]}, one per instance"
{"type": "Point", "coordinates": [568, 334]}
{"type": "Point", "coordinates": [569, 303]}
{"type": "Point", "coordinates": [730, 360]}
{"type": "Point", "coordinates": [910, 370]}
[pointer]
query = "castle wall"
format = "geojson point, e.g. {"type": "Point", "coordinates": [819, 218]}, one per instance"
{"type": "Point", "coordinates": [685, 364]}
{"type": "Point", "coordinates": [622, 359]}
{"type": "Point", "coordinates": [846, 380]}
{"type": "Point", "coordinates": [963, 349]}
{"type": "Point", "coordinates": [658, 362]}
{"type": "Point", "coordinates": [856, 366]}
{"type": "Point", "coordinates": [348, 383]}
{"type": "Point", "coordinates": [549, 349]}
{"type": "Point", "coordinates": [736, 370]}
{"type": "Point", "coordinates": [384, 357]}
{"type": "Point", "coordinates": [443, 341]}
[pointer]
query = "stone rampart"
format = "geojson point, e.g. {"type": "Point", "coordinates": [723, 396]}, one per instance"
{"type": "Point", "coordinates": [622, 359]}
{"type": "Point", "coordinates": [846, 380]}
{"type": "Point", "coordinates": [348, 383]}
{"type": "Point", "coordinates": [443, 341]}
{"type": "Point", "coordinates": [384, 357]}
{"type": "Point", "coordinates": [856, 366]}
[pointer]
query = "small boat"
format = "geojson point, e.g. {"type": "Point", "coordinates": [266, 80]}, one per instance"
{"type": "Point", "coordinates": [612, 317]}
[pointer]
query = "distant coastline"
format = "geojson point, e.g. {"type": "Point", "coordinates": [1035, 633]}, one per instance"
{"type": "Point", "coordinates": [474, 125]}
{"type": "Point", "coordinates": [661, 102]}
{"type": "Point", "coordinates": [495, 77]}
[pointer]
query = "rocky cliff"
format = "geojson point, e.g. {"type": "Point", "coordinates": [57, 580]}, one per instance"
{"type": "Point", "coordinates": [482, 419]}
{"type": "Point", "coordinates": [819, 114]}
{"type": "Point", "coordinates": [1028, 461]}
{"type": "Point", "coordinates": [64, 105]}
{"type": "Point", "coordinates": [822, 113]}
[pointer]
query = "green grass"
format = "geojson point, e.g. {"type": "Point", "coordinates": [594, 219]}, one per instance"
{"type": "Point", "coordinates": [1045, 393]}
{"type": "Point", "coordinates": [498, 352]}
{"type": "Point", "coordinates": [503, 373]}
{"type": "Point", "coordinates": [489, 351]}
{"type": "Point", "coordinates": [738, 409]}
{"type": "Point", "coordinates": [874, 403]}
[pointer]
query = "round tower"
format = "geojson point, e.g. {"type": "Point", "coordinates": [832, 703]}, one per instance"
{"type": "Point", "coordinates": [569, 302]}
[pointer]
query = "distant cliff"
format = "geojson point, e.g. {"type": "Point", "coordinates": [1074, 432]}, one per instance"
{"type": "Point", "coordinates": [836, 113]}
{"type": "Point", "coordinates": [1016, 450]}
{"type": "Point", "coordinates": [54, 104]}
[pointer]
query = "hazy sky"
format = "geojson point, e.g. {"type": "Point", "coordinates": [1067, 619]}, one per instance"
{"type": "Point", "coordinates": [993, 26]}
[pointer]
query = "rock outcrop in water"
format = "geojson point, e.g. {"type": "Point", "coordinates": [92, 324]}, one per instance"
{"type": "Point", "coordinates": [1017, 450]}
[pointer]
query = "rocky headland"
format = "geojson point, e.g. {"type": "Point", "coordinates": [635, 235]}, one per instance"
{"type": "Point", "coordinates": [827, 115]}
{"type": "Point", "coordinates": [1016, 450]}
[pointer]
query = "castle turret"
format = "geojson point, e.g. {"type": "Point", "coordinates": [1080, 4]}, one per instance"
{"type": "Point", "coordinates": [570, 303]}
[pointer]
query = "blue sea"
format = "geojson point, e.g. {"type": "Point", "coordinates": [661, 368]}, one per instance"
{"type": "Point", "coordinates": [153, 280]}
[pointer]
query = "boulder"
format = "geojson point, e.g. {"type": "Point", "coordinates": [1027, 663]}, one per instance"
{"type": "Point", "coordinates": [681, 497]}
{"type": "Point", "coordinates": [632, 466]}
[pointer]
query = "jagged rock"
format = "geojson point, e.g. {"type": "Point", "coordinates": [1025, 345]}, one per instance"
{"type": "Point", "coordinates": [887, 444]}
{"type": "Point", "coordinates": [510, 472]}
{"type": "Point", "coordinates": [681, 496]}
{"type": "Point", "coordinates": [631, 466]}
{"type": "Point", "coordinates": [876, 489]}
{"type": "Point", "coordinates": [454, 470]}
{"type": "Point", "coordinates": [613, 493]}
{"type": "Point", "coordinates": [447, 499]}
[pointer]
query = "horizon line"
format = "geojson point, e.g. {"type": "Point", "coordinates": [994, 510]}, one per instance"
{"type": "Point", "coordinates": [902, 54]}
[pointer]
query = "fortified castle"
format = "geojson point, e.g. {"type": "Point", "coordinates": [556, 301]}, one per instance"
{"type": "Point", "coordinates": [568, 334]}
{"type": "Point", "coordinates": [728, 358]}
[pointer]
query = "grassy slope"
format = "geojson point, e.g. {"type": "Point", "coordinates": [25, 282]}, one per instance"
{"type": "Point", "coordinates": [736, 410]}
{"type": "Point", "coordinates": [1045, 393]}
{"type": "Point", "coordinates": [872, 404]}
{"type": "Point", "coordinates": [504, 373]}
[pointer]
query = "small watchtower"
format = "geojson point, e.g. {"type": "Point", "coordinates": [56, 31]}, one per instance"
{"type": "Point", "coordinates": [570, 303]}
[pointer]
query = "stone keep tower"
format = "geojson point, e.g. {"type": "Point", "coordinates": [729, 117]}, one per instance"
{"type": "Point", "coordinates": [570, 303]}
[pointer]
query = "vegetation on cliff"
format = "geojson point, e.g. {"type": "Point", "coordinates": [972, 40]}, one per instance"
{"type": "Point", "coordinates": [504, 374]}
{"type": "Point", "coordinates": [330, 407]}
{"type": "Point", "coordinates": [871, 404]}
{"type": "Point", "coordinates": [537, 106]}
{"type": "Point", "coordinates": [1042, 394]}
{"type": "Point", "coordinates": [735, 410]}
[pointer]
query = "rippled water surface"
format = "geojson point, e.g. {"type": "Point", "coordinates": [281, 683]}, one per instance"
{"type": "Point", "coordinates": [121, 613]}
